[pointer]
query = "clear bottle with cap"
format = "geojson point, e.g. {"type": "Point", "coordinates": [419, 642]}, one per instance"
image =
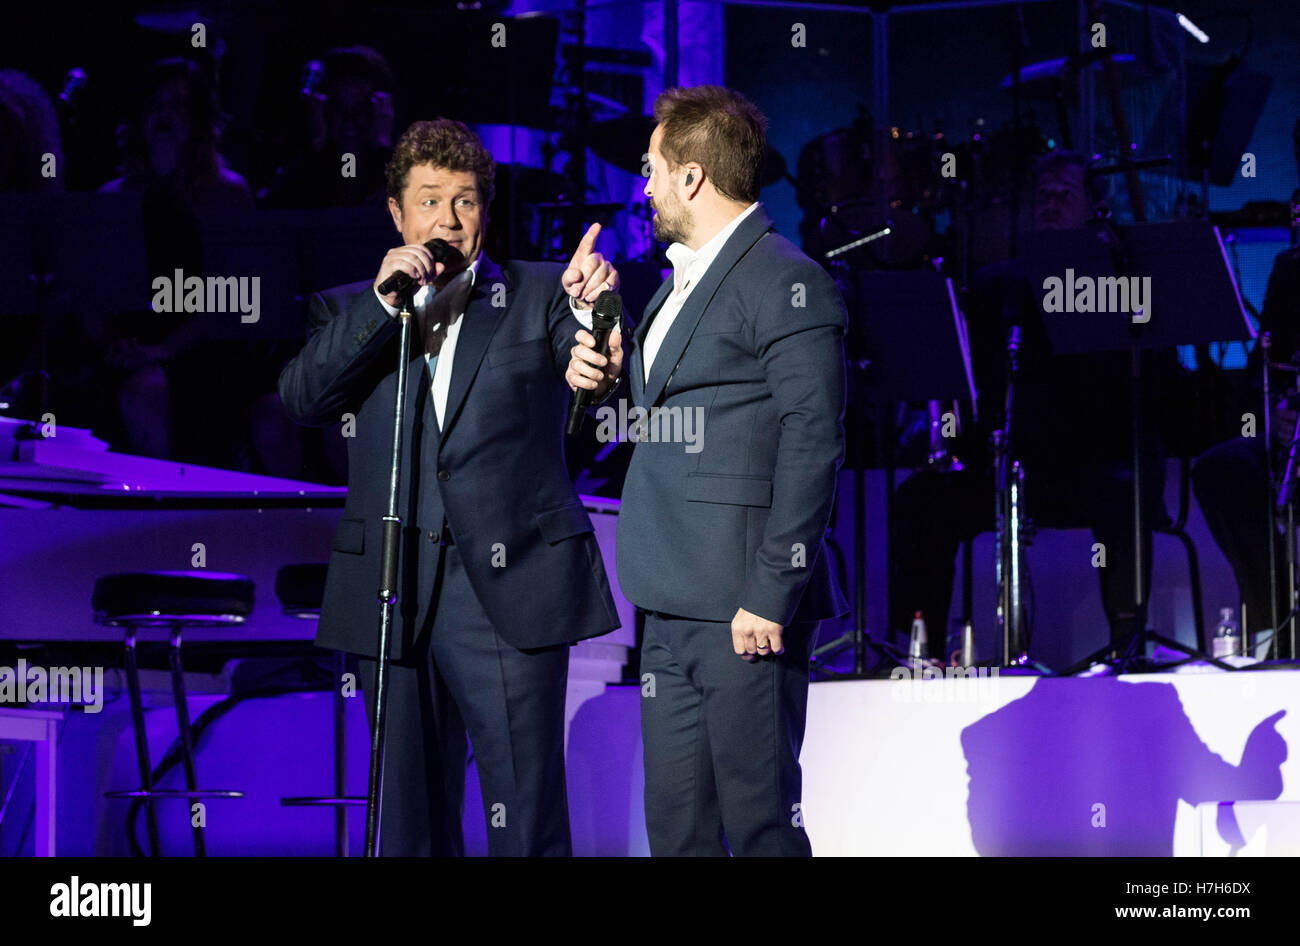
{"type": "Point", "coordinates": [918, 648]}
{"type": "Point", "coordinates": [1227, 636]}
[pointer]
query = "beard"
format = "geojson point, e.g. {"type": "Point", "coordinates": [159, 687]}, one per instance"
{"type": "Point", "coordinates": [669, 224]}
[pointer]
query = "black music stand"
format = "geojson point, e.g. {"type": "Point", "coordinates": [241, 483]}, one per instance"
{"type": "Point", "coordinates": [294, 253]}
{"type": "Point", "coordinates": [907, 341]}
{"type": "Point", "coordinates": [260, 244]}
{"type": "Point", "coordinates": [340, 245]}
{"type": "Point", "coordinates": [1193, 300]}
{"type": "Point", "coordinates": [80, 253]}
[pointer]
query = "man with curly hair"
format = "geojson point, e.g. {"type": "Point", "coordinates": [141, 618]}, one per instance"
{"type": "Point", "coordinates": [500, 571]}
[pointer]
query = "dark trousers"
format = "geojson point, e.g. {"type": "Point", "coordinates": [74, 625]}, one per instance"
{"type": "Point", "coordinates": [1231, 484]}
{"type": "Point", "coordinates": [722, 740]}
{"type": "Point", "coordinates": [464, 678]}
{"type": "Point", "coordinates": [934, 512]}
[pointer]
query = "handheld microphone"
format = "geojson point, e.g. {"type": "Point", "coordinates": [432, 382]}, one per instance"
{"type": "Point", "coordinates": [605, 317]}
{"type": "Point", "coordinates": [442, 251]}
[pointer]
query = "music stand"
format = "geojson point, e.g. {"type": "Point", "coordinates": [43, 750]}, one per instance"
{"type": "Point", "coordinates": [1178, 311]}
{"type": "Point", "coordinates": [247, 244]}
{"type": "Point", "coordinates": [907, 341]}
{"type": "Point", "coordinates": [340, 245]}
{"type": "Point", "coordinates": [81, 253]}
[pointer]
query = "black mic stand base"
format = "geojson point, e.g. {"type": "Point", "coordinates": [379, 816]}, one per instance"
{"type": "Point", "coordinates": [1134, 658]}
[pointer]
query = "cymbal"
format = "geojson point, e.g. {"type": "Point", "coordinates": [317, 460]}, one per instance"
{"type": "Point", "coordinates": [622, 141]}
{"type": "Point", "coordinates": [1040, 80]}
{"type": "Point", "coordinates": [1255, 213]}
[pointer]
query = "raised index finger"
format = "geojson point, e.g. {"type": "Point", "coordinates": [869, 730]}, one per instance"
{"type": "Point", "coordinates": [588, 242]}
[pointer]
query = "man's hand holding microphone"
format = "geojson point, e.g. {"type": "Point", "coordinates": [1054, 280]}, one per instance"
{"type": "Point", "coordinates": [417, 262]}
{"type": "Point", "coordinates": [588, 275]}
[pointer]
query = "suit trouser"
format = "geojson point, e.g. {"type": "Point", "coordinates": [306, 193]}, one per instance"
{"type": "Point", "coordinates": [463, 677]}
{"type": "Point", "coordinates": [722, 738]}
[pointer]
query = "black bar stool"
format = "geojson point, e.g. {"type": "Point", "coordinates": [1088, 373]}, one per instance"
{"type": "Point", "coordinates": [301, 589]}
{"type": "Point", "coordinates": [174, 600]}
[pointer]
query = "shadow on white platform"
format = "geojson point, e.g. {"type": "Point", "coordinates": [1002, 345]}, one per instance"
{"type": "Point", "coordinates": [1065, 767]}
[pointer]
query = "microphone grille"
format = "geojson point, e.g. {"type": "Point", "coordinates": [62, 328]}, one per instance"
{"type": "Point", "coordinates": [608, 308]}
{"type": "Point", "coordinates": [442, 251]}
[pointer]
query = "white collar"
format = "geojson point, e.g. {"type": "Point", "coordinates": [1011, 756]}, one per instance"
{"type": "Point", "coordinates": [427, 292]}
{"type": "Point", "coordinates": [685, 260]}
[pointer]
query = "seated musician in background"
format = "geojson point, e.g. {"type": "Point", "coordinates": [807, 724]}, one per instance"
{"type": "Point", "coordinates": [1231, 478]}
{"type": "Point", "coordinates": [29, 129]}
{"type": "Point", "coordinates": [351, 114]}
{"type": "Point", "coordinates": [1071, 433]}
{"type": "Point", "coordinates": [160, 368]}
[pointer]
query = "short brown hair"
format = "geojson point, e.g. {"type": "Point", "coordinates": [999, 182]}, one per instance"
{"type": "Point", "coordinates": [444, 143]}
{"type": "Point", "coordinates": [718, 129]}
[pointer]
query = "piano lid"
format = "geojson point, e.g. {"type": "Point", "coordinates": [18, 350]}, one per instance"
{"type": "Point", "coordinates": [72, 462]}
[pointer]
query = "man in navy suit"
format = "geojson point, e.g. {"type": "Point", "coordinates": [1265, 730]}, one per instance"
{"type": "Point", "coordinates": [738, 366]}
{"type": "Point", "coordinates": [500, 571]}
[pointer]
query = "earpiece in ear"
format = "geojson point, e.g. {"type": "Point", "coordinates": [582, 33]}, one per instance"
{"type": "Point", "coordinates": [689, 178]}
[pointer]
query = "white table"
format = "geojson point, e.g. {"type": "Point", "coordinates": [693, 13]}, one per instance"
{"type": "Point", "coordinates": [42, 728]}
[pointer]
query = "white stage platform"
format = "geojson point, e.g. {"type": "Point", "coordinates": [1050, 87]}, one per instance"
{"type": "Point", "coordinates": [1028, 766]}
{"type": "Point", "coordinates": [992, 766]}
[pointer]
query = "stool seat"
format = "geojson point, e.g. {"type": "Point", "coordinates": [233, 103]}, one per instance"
{"type": "Point", "coordinates": [191, 598]}
{"type": "Point", "coordinates": [301, 589]}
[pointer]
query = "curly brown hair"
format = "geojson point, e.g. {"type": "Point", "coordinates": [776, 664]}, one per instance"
{"type": "Point", "coordinates": [444, 143]}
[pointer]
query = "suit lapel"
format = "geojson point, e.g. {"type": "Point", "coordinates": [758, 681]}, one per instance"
{"type": "Point", "coordinates": [478, 325]}
{"type": "Point", "coordinates": [637, 365]}
{"type": "Point", "coordinates": [417, 379]}
{"type": "Point", "coordinates": [679, 335]}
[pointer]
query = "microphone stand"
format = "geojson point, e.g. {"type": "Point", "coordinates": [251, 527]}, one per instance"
{"type": "Point", "coordinates": [1012, 529]}
{"type": "Point", "coordinates": [1265, 344]}
{"type": "Point", "coordinates": [1284, 499]}
{"type": "Point", "coordinates": [389, 558]}
{"type": "Point", "coordinates": [1285, 503]}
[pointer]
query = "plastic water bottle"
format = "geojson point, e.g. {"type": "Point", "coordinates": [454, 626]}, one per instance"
{"type": "Point", "coordinates": [918, 649]}
{"type": "Point", "coordinates": [1227, 636]}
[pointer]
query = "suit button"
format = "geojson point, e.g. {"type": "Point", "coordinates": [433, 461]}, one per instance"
{"type": "Point", "coordinates": [443, 476]}
{"type": "Point", "coordinates": [433, 537]}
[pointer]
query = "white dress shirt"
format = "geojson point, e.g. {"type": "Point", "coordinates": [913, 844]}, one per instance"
{"type": "Point", "coordinates": [688, 269]}
{"type": "Point", "coordinates": [461, 286]}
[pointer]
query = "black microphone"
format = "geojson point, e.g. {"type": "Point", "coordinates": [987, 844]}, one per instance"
{"type": "Point", "coordinates": [443, 252]}
{"type": "Point", "coordinates": [605, 317]}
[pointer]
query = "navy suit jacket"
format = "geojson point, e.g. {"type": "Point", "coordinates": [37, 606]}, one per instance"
{"type": "Point", "coordinates": [758, 352]}
{"type": "Point", "coordinates": [496, 471]}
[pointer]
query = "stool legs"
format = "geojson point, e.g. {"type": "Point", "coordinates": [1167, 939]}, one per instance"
{"type": "Point", "coordinates": [141, 742]}
{"type": "Point", "coordinates": [187, 742]}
